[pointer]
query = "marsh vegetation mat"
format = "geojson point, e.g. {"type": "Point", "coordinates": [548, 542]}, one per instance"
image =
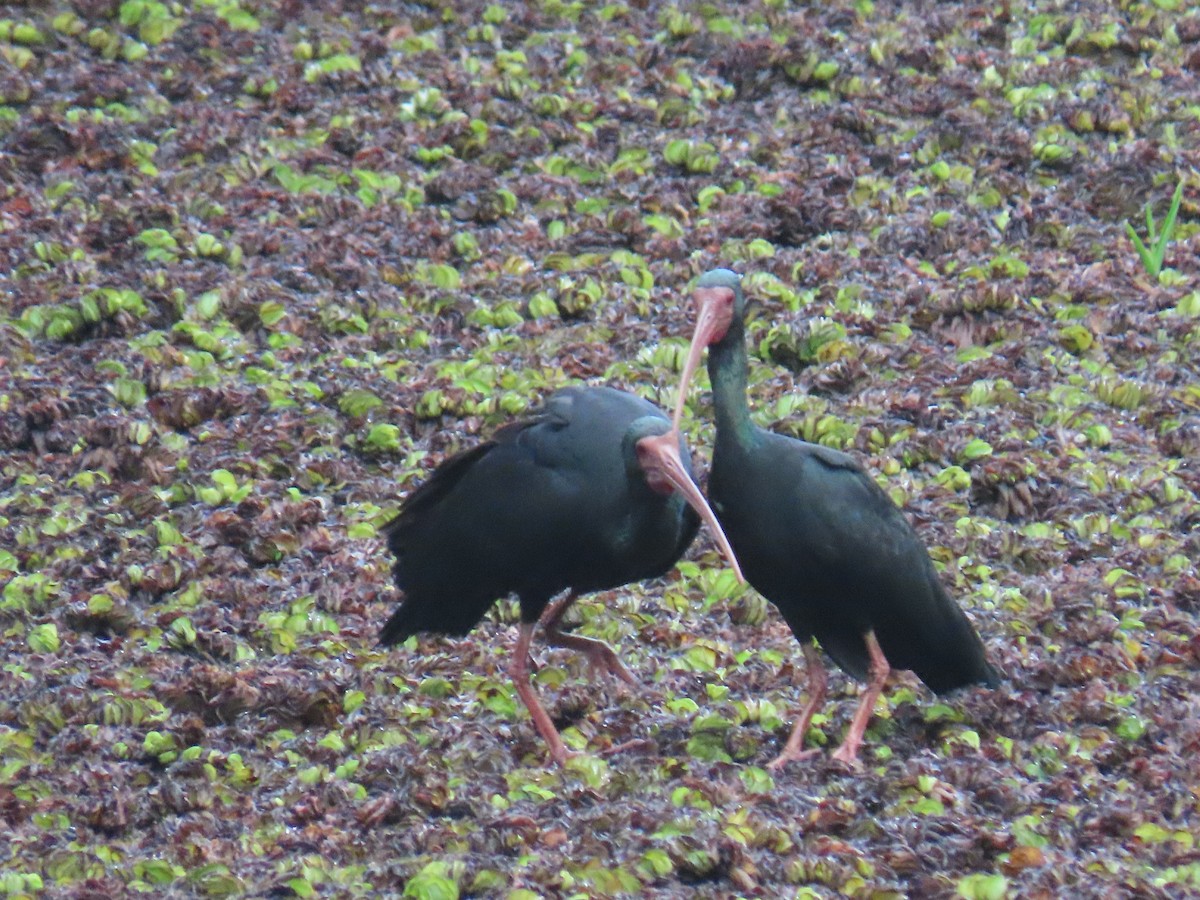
{"type": "Point", "coordinates": [264, 265]}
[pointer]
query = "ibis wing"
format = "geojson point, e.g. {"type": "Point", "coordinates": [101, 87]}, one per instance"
{"type": "Point", "coordinates": [435, 488]}
{"type": "Point", "coordinates": [489, 521]}
{"type": "Point", "coordinates": [450, 474]}
{"type": "Point", "coordinates": [848, 560]}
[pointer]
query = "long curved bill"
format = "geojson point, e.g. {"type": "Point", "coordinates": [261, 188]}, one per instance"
{"type": "Point", "coordinates": [708, 322]}
{"type": "Point", "coordinates": [659, 455]}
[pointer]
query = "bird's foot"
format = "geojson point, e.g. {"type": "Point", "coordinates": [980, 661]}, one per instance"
{"type": "Point", "coordinates": [559, 754]}
{"type": "Point", "coordinates": [847, 755]}
{"type": "Point", "coordinates": [634, 744]}
{"type": "Point", "coordinates": [602, 660]}
{"type": "Point", "coordinates": [786, 757]}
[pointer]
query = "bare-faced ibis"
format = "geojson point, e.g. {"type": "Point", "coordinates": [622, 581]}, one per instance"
{"type": "Point", "coordinates": [822, 541]}
{"type": "Point", "coordinates": [591, 492]}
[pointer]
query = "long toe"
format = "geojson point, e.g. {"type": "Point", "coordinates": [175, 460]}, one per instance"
{"type": "Point", "coordinates": [602, 659]}
{"type": "Point", "coordinates": [784, 758]}
{"type": "Point", "coordinates": [632, 744]}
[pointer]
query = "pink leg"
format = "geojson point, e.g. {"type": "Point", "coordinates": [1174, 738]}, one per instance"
{"type": "Point", "coordinates": [817, 683]}
{"type": "Point", "coordinates": [518, 670]}
{"type": "Point", "coordinates": [556, 609]}
{"type": "Point", "coordinates": [879, 670]}
{"type": "Point", "coordinates": [601, 657]}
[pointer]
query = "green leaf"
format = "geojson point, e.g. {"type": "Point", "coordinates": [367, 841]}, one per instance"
{"type": "Point", "coordinates": [700, 658]}
{"type": "Point", "coordinates": [432, 883]}
{"type": "Point", "coordinates": [759, 248]}
{"type": "Point", "coordinates": [928, 806]}
{"type": "Point", "coordinates": [383, 438]}
{"type": "Point", "coordinates": [756, 780]}
{"type": "Point", "coordinates": [1151, 833]}
{"type": "Point", "coordinates": [129, 392]}
{"type": "Point", "coordinates": [224, 480]}
{"type": "Point", "coordinates": [968, 737]}
{"type": "Point", "coordinates": [157, 743]}
{"type": "Point", "coordinates": [237, 18]}
{"type": "Point", "coordinates": [1076, 338]}
{"type": "Point", "coordinates": [1189, 306]}
{"type": "Point", "coordinates": [358, 402]}
{"type": "Point", "coordinates": [710, 722]}
{"type": "Point", "coordinates": [508, 200]}
{"type": "Point", "coordinates": [705, 197]}
{"type": "Point", "coordinates": [1131, 728]}
{"type": "Point", "coordinates": [184, 631]}
{"type": "Point", "coordinates": [976, 449]}
{"type": "Point", "coordinates": [956, 478]}
{"type": "Point", "coordinates": [940, 712]}
{"type": "Point", "coordinates": [208, 305]}
{"type": "Point", "coordinates": [301, 888]}
{"type": "Point", "coordinates": [709, 746]}
{"type": "Point", "coordinates": [322, 68]}
{"type": "Point", "coordinates": [656, 862]}
{"type": "Point", "coordinates": [981, 886]}
{"type": "Point", "coordinates": [156, 871]}
{"type": "Point", "coordinates": [668, 226]}
{"type": "Point", "coordinates": [44, 638]}
{"type": "Point", "coordinates": [1098, 435]}
{"type": "Point", "coordinates": [158, 238]}
{"type": "Point", "coordinates": [168, 535]}
{"type": "Point", "coordinates": [24, 33]}
{"type": "Point", "coordinates": [270, 313]}
{"type": "Point", "coordinates": [440, 276]}
{"type": "Point", "coordinates": [100, 604]}
{"type": "Point", "coordinates": [676, 152]}
{"type": "Point", "coordinates": [592, 770]}
{"type": "Point", "coordinates": [63, 323]}
{"type": "Point", "coordinates": [436, 687]}
{"type": "Point", "coordinates": [208, 245]}
{"type": "Point", "coordinates": [825, 71]}
{"type": "Point", "coordinates": [542, 305]}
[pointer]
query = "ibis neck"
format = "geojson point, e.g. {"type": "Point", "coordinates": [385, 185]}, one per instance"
{"type": "Point", "coordinates": [727, 370]}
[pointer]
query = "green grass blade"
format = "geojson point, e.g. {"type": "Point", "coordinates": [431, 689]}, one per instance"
{"type": "Point", "coordinates": [1168, 228]}
{"type": "Point", "coordinates": [1147, 262]}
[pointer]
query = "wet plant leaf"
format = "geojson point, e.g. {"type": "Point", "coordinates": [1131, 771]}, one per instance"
{"type": "Point", "coordinates": [44, 638]}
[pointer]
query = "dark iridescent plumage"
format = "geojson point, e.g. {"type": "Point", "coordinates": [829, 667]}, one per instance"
{"type": "Point", "coordinates": [821, 540]}
{"type": "Point", "coordinates": [577, 497]}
